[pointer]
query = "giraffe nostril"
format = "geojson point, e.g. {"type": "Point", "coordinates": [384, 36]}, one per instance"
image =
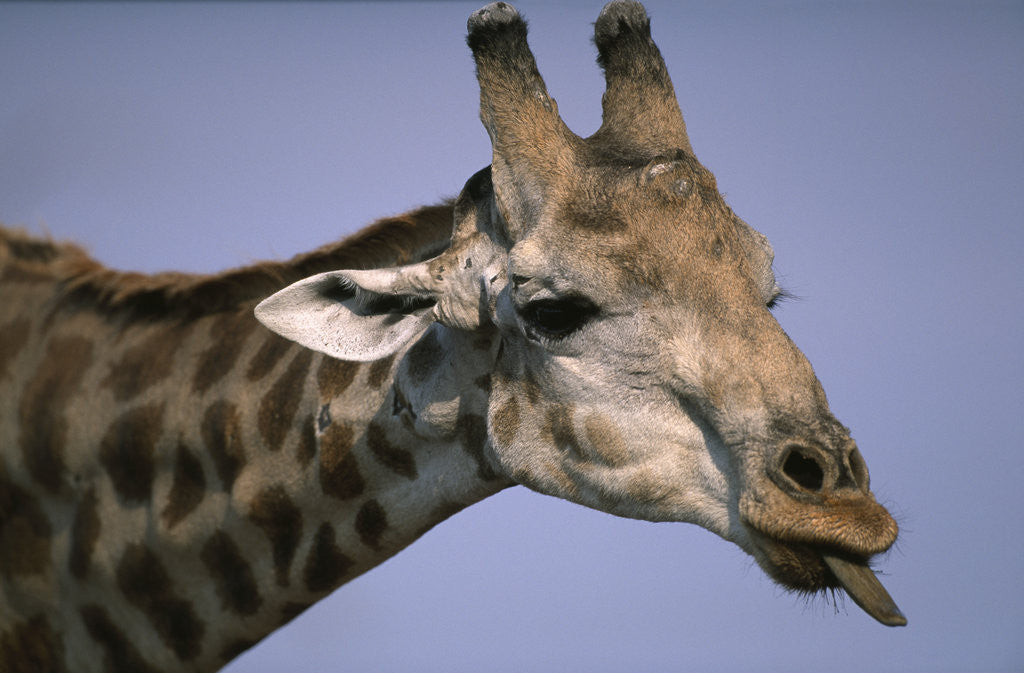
{"type": "Point", "coordinates": [860, 470]}
{"type": "Point", "coordinates": [803, 469]}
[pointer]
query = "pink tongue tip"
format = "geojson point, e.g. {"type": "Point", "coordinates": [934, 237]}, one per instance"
{"type": "Point", "coordinates": [866, 591]}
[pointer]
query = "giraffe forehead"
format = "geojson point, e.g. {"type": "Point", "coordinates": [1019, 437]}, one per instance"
{"type": "Point", "coordinates": [659, 205]}
{"type": "Point", "coordinates": [614, 185]}
{"type": "Point", "coordinates": [634, 248]}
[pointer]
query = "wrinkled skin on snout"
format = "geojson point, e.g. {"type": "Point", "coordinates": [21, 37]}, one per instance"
{"type": "Point", "coordinates": [621, 313]}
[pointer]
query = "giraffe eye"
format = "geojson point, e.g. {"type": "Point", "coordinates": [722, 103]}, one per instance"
{"type": "Point", "coordinates": [556, 318]}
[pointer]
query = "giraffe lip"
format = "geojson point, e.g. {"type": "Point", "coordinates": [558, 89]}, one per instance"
{"type": "Point", "coordinates": [814, 567]}
{"type": "Point", "coordinates": [864, 587]}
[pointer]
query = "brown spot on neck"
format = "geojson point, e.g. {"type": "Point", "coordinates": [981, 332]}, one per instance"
{"type": "Point", "coordinates": [275, 513]}
{"type": "Point", "coordinates": [232, 577]}
{"type": "Point", "coordinates": [145, 583]}
{"type": "Point", "coordinates": [85, 531]}
{"type": "Point", "coordinates": [222, 436]}
{"type": "Point", "coordinates": [32, 646]}
{"type": "Point", "coordinates": [396, 459]}
{"type": "Point", "coordinates": [147, 363]}
{"type": "Point", "coordinates": [379, 372]}
{"type": "Point", "coordinates": [43, 426]}
{"type": "Point", "coordinates": [24, 532]}
{"type": "Point", "coordinates": [13, 337]}
{"type": "Point", "coordinates": [277, 408]}
{"type": "Point", "coordinates": [228, 332]}
{"type": "Point", "coordinates": [127, 449]}
{"type": "Point", "coordinates": [339, 471]}
{"type": "Point", "coordinates": [273, 349]}
{"type": "Point", "coordinates": [188, 487]}
{"type": "Point", "coordinates": [371, 522]}
{"type": "Point", "coordinates": [120, 654]}
{"type": "Point", "coordinates": [326, 564]}
{"type": "Point", "coordinates": [333, 377]}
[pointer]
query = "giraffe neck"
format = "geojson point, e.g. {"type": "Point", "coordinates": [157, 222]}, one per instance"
{"type": "Point", "coordinates": [173, 490]}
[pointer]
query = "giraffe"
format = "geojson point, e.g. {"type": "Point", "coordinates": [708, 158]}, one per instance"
{"type": "Point", "coordinates": [188, 462]}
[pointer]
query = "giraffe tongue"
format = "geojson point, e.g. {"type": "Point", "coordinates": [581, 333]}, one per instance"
{"type": "Point", "coordinates": [865, 590]}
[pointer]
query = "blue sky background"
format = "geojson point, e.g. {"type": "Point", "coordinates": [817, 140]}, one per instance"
{"type": "Point", "coordinates": [881, 149]}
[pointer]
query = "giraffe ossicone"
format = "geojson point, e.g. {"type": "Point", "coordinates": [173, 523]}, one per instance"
{"type": "Point", "coordinates": [588, 319]}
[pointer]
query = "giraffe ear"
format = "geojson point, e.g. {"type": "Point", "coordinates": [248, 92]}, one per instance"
{"type": "Point", "coordinates": [354, 315]}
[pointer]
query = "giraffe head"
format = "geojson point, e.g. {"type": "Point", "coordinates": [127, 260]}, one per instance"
{"type": "Point", "coordinates": [618, 313]}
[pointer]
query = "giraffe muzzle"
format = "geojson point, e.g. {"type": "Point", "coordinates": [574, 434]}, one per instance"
{"type": "Point", "coordinates": [817, 523]}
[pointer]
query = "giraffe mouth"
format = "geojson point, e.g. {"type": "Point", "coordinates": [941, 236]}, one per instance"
{"type": "Point", "coordinates": [810, 540]}
{"type": "Point", "coordinates": [805, 568]}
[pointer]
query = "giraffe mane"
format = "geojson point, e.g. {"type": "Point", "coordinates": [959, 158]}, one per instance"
{"type": "Point", "coordinates": [412, 236]}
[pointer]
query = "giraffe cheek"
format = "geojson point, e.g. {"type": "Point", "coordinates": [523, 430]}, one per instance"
{"type": "Point", "coordinates": [514, 446]}
{"type": "Point", "coordinates": [505, 422]}
{"type": "Point", "coordinates": [604, 441]}
{"type": "Point", "coordinates": [507, 435]}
